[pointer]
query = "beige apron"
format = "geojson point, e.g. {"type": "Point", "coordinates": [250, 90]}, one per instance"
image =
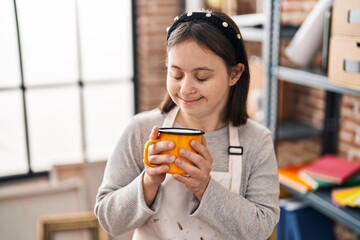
{"type": "Point", "coordinates": [172, 221]}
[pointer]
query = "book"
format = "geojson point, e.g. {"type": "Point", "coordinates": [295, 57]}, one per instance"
{"type": "Point", "coordinates": [314, 183]}
{"type": "Point", "coordinates": [289, 176]}
{"type": "Point", "coordinates": [332, 169]}
{"type": "Point", "coordinates": [349, 196]}
{"type": "Point", "coordinates": [317, 184]}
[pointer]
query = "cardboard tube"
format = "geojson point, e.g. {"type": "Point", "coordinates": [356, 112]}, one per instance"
{"type": "Point", "coordinates": [307, 40]}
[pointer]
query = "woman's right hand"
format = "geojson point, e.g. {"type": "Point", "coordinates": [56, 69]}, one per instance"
{"type": "Point", "coordinates": [154, 176]}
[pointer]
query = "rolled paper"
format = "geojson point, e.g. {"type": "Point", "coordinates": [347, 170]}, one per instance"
{"type": "Point", "coordinates": [308, 38]}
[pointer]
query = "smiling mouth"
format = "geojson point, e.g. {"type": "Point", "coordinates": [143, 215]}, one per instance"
{"type": "Point", "coordinates": [189, 100]}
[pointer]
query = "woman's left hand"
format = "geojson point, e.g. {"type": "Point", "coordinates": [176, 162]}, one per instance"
{"type": "Point", "coordinates": [199, 173]}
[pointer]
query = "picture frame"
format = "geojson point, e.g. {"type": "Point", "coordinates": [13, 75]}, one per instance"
{"type": "Point", "coordinates": [50, 225]}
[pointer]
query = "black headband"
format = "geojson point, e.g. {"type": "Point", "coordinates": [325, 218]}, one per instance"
{"type": "Point", "coordinates": [230, 33]}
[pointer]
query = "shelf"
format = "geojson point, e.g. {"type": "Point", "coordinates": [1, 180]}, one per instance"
{"type": "Point", "coordinates": [311, 78]}
{"type": "Point", "coordinates": [252, 34]}
{"type": "Point", "coordinates": [321, 201]}
{"type": "Point", "coordinates": [287, 130]}
{"type": "Point", "coordinates": [251, 26]}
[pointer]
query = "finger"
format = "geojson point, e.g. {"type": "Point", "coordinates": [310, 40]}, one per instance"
{"type": "Point", "coordinates": [154, 133]}
{"type": "Point", "coordinates": [194, 184]}
{"type": "Point", "coordinates": [203, 141]}
{"type": "Point", "coordinates": [185, 179]}
{"type": "Point", "coordinates": [200, 167]}
{"type": "Point", "coordinates": [201, 149]}
{"type": "Point", "coordinates": [197, 158]}
{"type": "Point", "coordinates": [161, 146]}
{"type": "Point", "coordinates": [153, 171]}
{"type": "Point", "coordinates": [190, 168]}
{"type": "Point", "coordinates": [193, 157]}
{"type": "Point", "coordinates": [161, 159]}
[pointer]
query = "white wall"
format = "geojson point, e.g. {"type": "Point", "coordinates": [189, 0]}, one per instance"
{"type": "Point", "coordinates": [22, 205]}
{"type": "Point", "coordinates": [71, 188]}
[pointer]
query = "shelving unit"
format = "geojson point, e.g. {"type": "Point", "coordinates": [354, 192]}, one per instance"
{"type": "Point", "coordinates": [311, 78]}
{"type": "Point", "coordinates": [319, 200]}
{"type": "Point", "coordinates": [294, 130]}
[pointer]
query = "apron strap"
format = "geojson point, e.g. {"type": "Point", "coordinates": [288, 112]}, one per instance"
{"type": "Point", "coordinates": [170, 117]}
{"type": "Point", "coordinates": [235, 159]}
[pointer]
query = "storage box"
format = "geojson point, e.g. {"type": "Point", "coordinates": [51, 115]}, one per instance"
{"type": "Point", "coordinates": [346, 18]}
{"type": "Point", "coordinates": [298, 222]}
{"type": "Point", "coordinates": [344, 62]}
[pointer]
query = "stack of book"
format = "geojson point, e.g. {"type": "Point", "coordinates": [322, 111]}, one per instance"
{"type": "Point", "coordinates": [325, 172]}
{"type": "Point", "coordinates": [346, 197]}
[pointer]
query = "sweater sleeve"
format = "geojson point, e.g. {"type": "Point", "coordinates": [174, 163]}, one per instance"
{"type": "Point", "coordinates": [120, 204]}
{"type": "Point", "coordinates": [254, 215]}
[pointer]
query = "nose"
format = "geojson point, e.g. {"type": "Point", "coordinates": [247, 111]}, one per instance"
{"type": "Point", "coordinates": [187, 85]}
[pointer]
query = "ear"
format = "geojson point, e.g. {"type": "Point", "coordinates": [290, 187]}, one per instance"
{"type": "Point", "coordinates": [235, 73]}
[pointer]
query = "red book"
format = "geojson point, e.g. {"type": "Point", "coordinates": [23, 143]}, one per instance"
{"type": "Point", "coordinates": [332, 169]}
{"type": "Point", "coordinates": [289, 176]}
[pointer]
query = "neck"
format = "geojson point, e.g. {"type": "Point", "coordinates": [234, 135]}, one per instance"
{"type": "Point", "coordinates": [208, 125]}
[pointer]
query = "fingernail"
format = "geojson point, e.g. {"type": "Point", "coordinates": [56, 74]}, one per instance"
{"type": "Point", "coordinates": [178, 161]}
{"type": "Point", "coordinates": [182, 151]}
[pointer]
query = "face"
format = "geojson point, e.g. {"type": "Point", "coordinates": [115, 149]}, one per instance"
{"type": "Point", "coordinates": [198, 81]}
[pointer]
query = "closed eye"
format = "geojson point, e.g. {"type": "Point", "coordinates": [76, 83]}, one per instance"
{"type": "Point", "coordinates": [203, 75]}
{"type": "Point", "coordinates": [201, 79]}
{"type": "Point", "coordinates": [177, 77]}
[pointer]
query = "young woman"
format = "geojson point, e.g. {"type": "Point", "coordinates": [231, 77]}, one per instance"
{"type": "Point", "coordinates": [232, 190]}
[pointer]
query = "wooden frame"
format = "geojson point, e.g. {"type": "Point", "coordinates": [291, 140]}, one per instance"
{"type": "Point", "coordinates": [49, 225]}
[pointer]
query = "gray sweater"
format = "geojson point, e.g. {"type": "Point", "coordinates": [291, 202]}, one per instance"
{"type": "Point", "coordinates": [120, 204]}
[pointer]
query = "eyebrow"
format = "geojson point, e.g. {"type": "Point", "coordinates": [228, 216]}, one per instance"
{"type": "Point", "coordinates": [195, 69]}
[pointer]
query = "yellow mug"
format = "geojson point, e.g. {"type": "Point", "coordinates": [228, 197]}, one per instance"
{"type": "Point", "coordinates": [181, 137]}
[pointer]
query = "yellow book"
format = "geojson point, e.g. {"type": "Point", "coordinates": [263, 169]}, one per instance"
{"type": "Point", "coordinates": [349, 196]}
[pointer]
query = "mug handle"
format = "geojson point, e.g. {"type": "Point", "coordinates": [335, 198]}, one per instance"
{"type": "Point", "coordinates": [146, 150]}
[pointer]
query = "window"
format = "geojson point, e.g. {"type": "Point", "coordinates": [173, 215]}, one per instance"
{"type": "Point", "coordinates": [66, 81]}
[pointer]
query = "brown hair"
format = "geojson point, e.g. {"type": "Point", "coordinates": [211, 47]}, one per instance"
{"type": "Point", "coordinates": [210, 37]}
